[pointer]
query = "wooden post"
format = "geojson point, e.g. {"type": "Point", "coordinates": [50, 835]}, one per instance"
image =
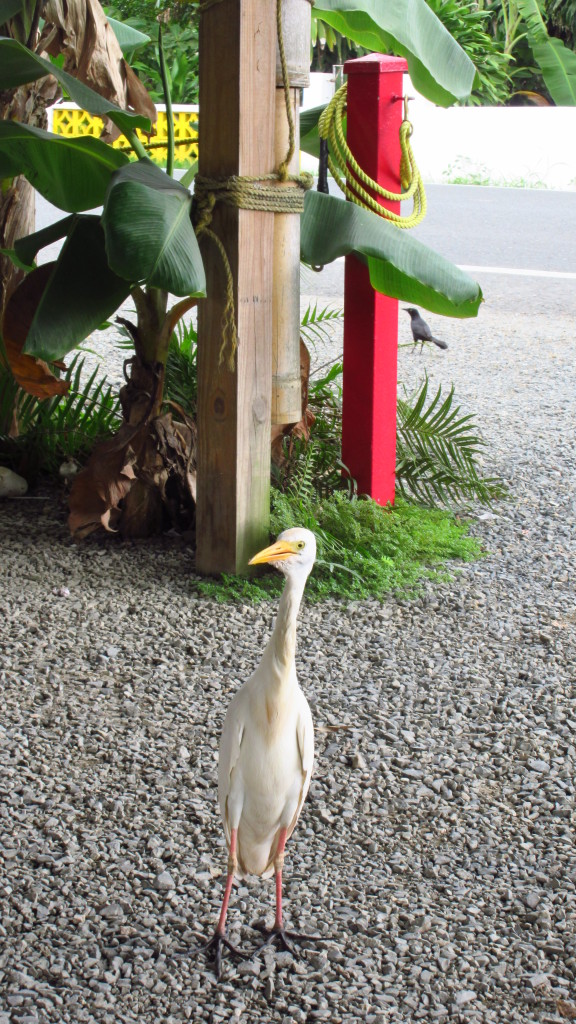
{"type": "Point", "coordinates": [370, 318]}
{"type": "Point", "coordinates": [286, 385]}
{"type": "Point", "coordinates": [237, 99]}
{"type": "Point", "coordinates": [286, 388]}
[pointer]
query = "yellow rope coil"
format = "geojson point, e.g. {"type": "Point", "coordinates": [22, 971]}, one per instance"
{"type": "Point", "coordinates": [350, 177]}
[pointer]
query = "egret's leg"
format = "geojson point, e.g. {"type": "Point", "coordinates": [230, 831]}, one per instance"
{"type": "Point", "coordinates": [219, 938]}
{"type": "Point", "coordinates": [278, 931]}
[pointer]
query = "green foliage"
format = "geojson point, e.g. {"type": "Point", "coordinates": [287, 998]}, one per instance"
{"type": "Point", "coordinates": [470, 25]}
{"type": "Point", "coordinates": [317, 323]}
{"type": "Point", "coordinates": [180, 38]}
{"type": "Point", "coordinates": [438, 67]}
{"type": "Point", "coordinates": [561, 15]}
{"type": "Point", "coordinates": [314, 467]}
{"type": "Point", "coordinates": [60, 428]}
{"type": "Point", "coordinates": [438, 450]}
{"type": "Point", "coordinates": [181, 375]}
{"type": "Point", "coordinates": [329, 48]}
{"type": "Point", "coordinates": [364, 550]}
{"type": "Point", "coordinates": [399, 265]}
{"type": "Point", "coordinates": [468, 172]}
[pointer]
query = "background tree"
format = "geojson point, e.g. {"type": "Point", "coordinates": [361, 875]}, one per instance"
{"type": "Point", "coordinates": [180, 26]}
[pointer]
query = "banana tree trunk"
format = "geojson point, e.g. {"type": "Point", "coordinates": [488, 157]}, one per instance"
{"type": "Point", "coordinates": [27, 104]}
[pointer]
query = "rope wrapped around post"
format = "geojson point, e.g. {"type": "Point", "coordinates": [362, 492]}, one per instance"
{"type": "Point", "coordinates": [278, 192]}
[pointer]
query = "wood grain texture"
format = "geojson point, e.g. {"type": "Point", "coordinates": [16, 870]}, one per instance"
{"type": "Point", "coordinates": [237, 96]}
{"type": "Point", "coordinates": [286, 388]}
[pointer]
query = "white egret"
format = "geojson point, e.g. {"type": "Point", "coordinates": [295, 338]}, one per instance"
{"type": "Point", "coordinates": [267, 747]}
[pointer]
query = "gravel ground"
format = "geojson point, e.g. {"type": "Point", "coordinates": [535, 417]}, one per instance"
{"type": "Point", "coordinates": [434, 855]}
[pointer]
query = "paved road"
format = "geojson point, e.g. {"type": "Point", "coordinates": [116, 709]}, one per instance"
{"type": "Point", "coordinates": [516, 229]}
{"type": "Point", "coordinates": [478, 227]}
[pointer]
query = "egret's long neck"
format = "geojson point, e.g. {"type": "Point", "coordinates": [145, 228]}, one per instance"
{"type": "Point", "coordinates": [282, 645]}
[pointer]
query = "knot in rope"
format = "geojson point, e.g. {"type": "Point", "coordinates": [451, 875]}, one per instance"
{"type": "Point", "coordinates": [354, 182]}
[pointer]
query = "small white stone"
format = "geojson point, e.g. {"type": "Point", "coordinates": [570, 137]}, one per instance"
{"type": "Point", "coordinates": [164, 881]}
{"type": "Point", "coordinates": [538, 980]}
{"type": "Point", "coordinates": [466, 996]}
{"type": "Point", "coordinates": [11, 485]}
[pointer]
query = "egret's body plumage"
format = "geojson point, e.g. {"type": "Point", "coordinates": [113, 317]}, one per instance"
{"type": "Point", "coordinates": [267, 743]}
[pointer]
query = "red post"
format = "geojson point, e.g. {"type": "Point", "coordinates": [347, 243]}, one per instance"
{"type": "Point", "coordinates": [375, 113]}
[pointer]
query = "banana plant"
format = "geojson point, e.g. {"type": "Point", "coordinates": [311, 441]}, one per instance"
{"type": "Point", "coordinates": [556, 62]}
{"type": "Point", "coordinates": [143, 246]}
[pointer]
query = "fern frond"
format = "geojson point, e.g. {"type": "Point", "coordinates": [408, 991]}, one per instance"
{"type": "Point", "coordinates": [319, 323]}
{"type": "Point", "coordinates": [65, 426]}
{"type": "Point", "coordinates": [438, 449]}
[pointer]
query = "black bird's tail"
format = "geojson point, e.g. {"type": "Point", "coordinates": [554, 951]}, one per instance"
{"type": "Point", "coordinates": [441, 344]}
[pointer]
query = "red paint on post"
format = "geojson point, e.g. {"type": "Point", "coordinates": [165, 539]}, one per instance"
{"type": "Point", "coordinates": [375, 113]}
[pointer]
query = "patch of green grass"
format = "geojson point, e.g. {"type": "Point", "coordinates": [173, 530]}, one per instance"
{"type": "Point", "coordinates": [364, 550]}
{"type": "Point", "coordinates": [465, 172]}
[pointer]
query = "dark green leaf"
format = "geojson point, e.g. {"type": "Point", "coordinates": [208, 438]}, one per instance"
{"type": "Point", "coordinates": [399, 265]}
{"type": "Point", "coordinates": [557, 63]}
{"type": "Point", "coordinates": [149, 233]}
{"type": "Point", "coordinates": [27, 248]}
{"type": "Point", "coordinates": [81, 292]}
{"type": "Point", "coordinates": [309, 138]}
{"type": "Point", "coordinates": [8, 8]}
{"type": "Point", "coordinates": [19, 66]}
{"type": "Point", "coordinates": [73, 174]}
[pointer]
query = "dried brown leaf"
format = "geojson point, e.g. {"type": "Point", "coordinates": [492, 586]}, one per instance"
{"type": "Point", "coordinates": [104, 482]}
{"type": "Point", "coordinates": [137, 481]}
{"type": "Point", "coordinates": [80, 31]}
{"type": "Point", "coordinates": [33, 375]}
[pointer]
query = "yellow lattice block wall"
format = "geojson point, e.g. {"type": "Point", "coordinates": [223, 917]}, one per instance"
{"type": "Point", "coordinates": [73, 122]}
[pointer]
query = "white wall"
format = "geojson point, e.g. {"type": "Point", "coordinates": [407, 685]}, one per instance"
{"type": "Point", "coordinates": [530, 146]}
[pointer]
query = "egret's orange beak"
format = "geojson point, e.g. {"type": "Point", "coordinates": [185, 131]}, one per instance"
{"type": "Point", "coordinates": [277, 552]}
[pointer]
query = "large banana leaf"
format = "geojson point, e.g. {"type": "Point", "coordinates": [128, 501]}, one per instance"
{"type": "Point", "coordinates": [8, 8]}
{"type": "Point", "coordinates": [27, 248]}
{"type": "Point", "coordinates": [19, 66]}
{"type": "Point", "coordinates": [556, 62]}
{"type": "Point", "coordinates": [149, 233]}
{"type": "Point", "coordinates": [399, 265]}
{"type": "Point", "coordinates": [81, 293]}
{"type": "Point", "coordinates": [73, 174]}
{"type": "Point", "coordinates": [129, 39]}
{"type": "Point", "coordinates": [558, 66]}
{"type": "Point", "coordinates": [309, 138]}
{"type": "Point", "coordinates": [438, 66]}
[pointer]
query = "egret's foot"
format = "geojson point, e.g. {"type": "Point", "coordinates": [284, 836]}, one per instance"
{"type": "Point", "coordinates": [282, 937]}
{"type": "Point", "coordinates": [215, 945]}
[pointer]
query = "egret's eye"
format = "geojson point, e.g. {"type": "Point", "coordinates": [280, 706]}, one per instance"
{"type": "Point", "coordinates": [300, 544]}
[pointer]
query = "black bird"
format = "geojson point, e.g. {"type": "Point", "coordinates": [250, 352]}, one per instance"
{"type": "Point", "coordinates": [420, 330]}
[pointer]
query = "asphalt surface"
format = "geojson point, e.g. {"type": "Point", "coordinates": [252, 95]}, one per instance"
{"type": "Point", "coordinates": [503, 228]}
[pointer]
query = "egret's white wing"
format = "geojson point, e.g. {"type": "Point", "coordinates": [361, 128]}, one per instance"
{"type": "Point", "coordinates": [230, 744]}
{"type": "Point", "coordinates": [305, 738]}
